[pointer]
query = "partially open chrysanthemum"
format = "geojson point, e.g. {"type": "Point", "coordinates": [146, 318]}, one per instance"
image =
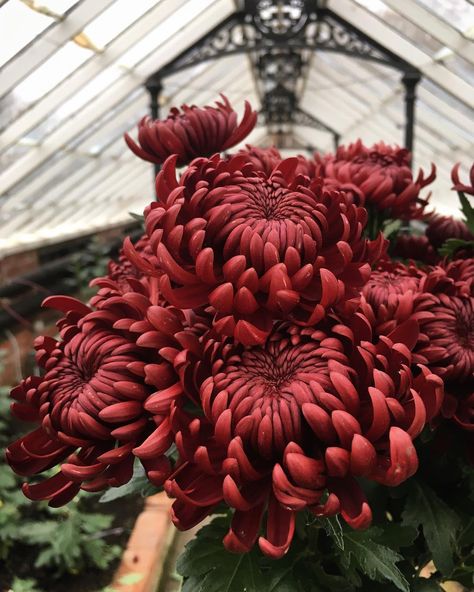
{"type": "Point", "coordinates": [417, 247]}
{"type": "Point", "coordinates": [123, 268]}
{"type": "Point", "coordinates": [192, 132]}
{"type": "Point", "coordinates": [441, 228]}
{"type": "Point", "coordinates": [451, 332]}
{"type": "Point", "coordinates": [462, 187]}
{"type": "Point", "coordinates": [389, 281]}
{"type": "Point", "coordinates": [105, 397]}
{"type": "Point", "coordinates": [256, 247]}
{"type": "Point", "coordinates": [291, 423]}
{"type": "Point", "coordinates": [378, 177]}
{"type": "Point", "coordinates": [263, 159]}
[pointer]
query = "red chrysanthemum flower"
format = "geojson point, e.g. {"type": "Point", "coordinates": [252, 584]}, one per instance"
{"type": "Point", "coordinates": [378, 177]}
{"type": "Point", "coordinates": [389, 281]}
{"type": "Point", "coordinates": [450, 332]}
{"type": "Point", "coordinates": [192, 132]}
{"type": "Point", "coordinates": [123, 276]}
{"type": "Point", "coordinates": [123, 268]}
{"type": "Point", "coordinates": [256, 248]}
{"type": "Point", "coordinates": [297, 417]}
{"type": "Point", "coordinates": [461, 272]}
{"type": "Point", "coordinates": [262, 159]}
{"type": "Point", "coordinates": [441, 228]}
{"type": "Point", "coordinates": [106, 395]}
{"type": "Point", "coordinates": [461, 187]}
{"type": "Point", "coordinates": [416, 247]}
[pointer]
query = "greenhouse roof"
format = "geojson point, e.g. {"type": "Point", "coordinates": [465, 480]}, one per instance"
{"type": "Point", "coordinates": [72, 76]}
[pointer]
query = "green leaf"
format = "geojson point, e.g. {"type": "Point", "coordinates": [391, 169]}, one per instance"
{"type": "Point", "coordinates": [213, 569]}
{"type": "Point", "coordinates": [138, 484]}
{"type": "Point", "coordinates": [396, 535]}
{"type": "Point", "coordinates": [391, 227]}
{"type": "Point", "coordinates": [467, 210]}
{"type": "Point", "coordinates": [426, 585]}
{"type": "Point", "coordinates": [372, 559]}
{"type": "Point", "coordinates": [192, 584]}
{"type": "Point", "coordinates": [331, 582]}
{"type": "Point", "coordinates": [131, 578]}
{"type": "Point", "coordinates": [139, 217]}
{"type": "Point", "coordinates": [333, 529]}
{"type": "Point", "coordinates": [453, 244]}
{"type": "Point", "coordinates": [439, 523]}
{"type": "Point", "coordinates": [24, 585]}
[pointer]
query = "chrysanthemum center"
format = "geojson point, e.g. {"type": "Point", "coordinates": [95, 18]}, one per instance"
{"type": "Point", "coordinates": [265, 387]}
{"type": "Point", "coordinates": [83, 378]}
{"type": "Point", "coordinates": [382, 284]}
{"type": "Point", "coordinates": [453, 329]}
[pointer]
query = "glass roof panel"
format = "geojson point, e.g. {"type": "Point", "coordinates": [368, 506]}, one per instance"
{"type": "Point", "coordinates": [98, 94]}
{"type": "Point", "coordinates": [51, 72]}
{"type": "Point", "coordinates": [458, 13]}
{"type": "Point", "coordinates": [72, 105]}
{"type": "Point", "coordinates": [408, 29]}
{"type": "Point", "coordinates": [15, 38]}
{"type": "Point", "coordinates": [115, 19]}
{"type": "Point", "coordinates": [164, 31]}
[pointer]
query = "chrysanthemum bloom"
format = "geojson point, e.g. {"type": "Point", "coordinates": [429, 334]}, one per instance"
{"type": "Point", "coordinates": [461, 187]}
{"type": "Point", "coordinates": [389, 281]}
{"type": "Point", "coordinates": [123, 276]}
{"type": "Point", "coordinates": [380, 177]}
{"type": "Point", "coordinates": [123, 268]}
{"type": "Point", "coordinates": [398, 292]}
{"type": "Point", "coordinates": [266, 159]}
{"type": "Point", "coordinates": [417, 247]}
{"type": "Point", "coordinates": [299, 417]}
{"type": "Point", "coordinates": [263, 159]}
{"type": "Point", "coordinates": [105, 397]}
{"type": "Point", "coordinates": [192, 132]}
{"type": "Point", "coordinates": [451, 334]}
{"type": "Point", "coordinates": [256, 248]}
{"type": "Point", "coordinates": [442, 228]}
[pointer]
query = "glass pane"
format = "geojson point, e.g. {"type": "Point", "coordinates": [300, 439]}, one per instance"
{"type": "Point", "coordinates": [58, 6]}
{"type": "Point", "coordinates": [406, 28]}
{"type": "Point", "coordinates": [59, 66]}
{"type": "Point", "coordinates": [457, 13]}
{"type": "Point", "coordinates": [447, 97]}
{"type": "Point", "coordinates": [101, 121]}
{"type": "Point", "coordinates": [74, 104]}
{"type": "Point", "coordinates": [14, 38]}
{"type": "Point", "coordinates": [179, 19]}
{"type": "Point", "coordinates": [11, 155]}
{"type": "Point", "coordinates": [115, 19]}
{"type": "Point", "coordinates": [62, 63]}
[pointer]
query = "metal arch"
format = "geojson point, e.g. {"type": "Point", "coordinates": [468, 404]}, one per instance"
{"type": "Point", "coordinates": [324, 30]}
{"type": "Point", "coordinates": [280, 107]}
{"type": "Point", "coordinates": [316, 28]}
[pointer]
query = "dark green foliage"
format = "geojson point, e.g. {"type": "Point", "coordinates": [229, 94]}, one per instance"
{"type": "Point", "coordinates": [63, 540]}
{"type": "Point", "coordinates": [208, 567]}
{"type": "Point", "coordinates": [138, 485]}
{"type": "Point", "coordinates": [468, 211]}
{"type": "Point", "coordinates": [450, 247]}
{"type": "Point", "coordinates": [439, 523]}
{"type": "Point", "coordinates": [428, 518]}
{"type": "Point", "coordinates": [368, 557]}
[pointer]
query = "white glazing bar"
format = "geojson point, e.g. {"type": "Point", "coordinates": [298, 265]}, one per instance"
{"type": "Point", "coordinates": [365, 21]}
{"type": "Point", "coordinates": [117, 92]}
{"type": "Point", "coordinates": [42, 48]}
{"type": "Point", "coordinates": [94, 67]}
{"type": "Point", "coordinates": [435, 26]}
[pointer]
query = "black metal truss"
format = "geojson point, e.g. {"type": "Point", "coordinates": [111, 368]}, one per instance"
{"type": "Point", "coordinates": [266, 28]}
{"type": "Point", "coordinates": [280, 108]}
